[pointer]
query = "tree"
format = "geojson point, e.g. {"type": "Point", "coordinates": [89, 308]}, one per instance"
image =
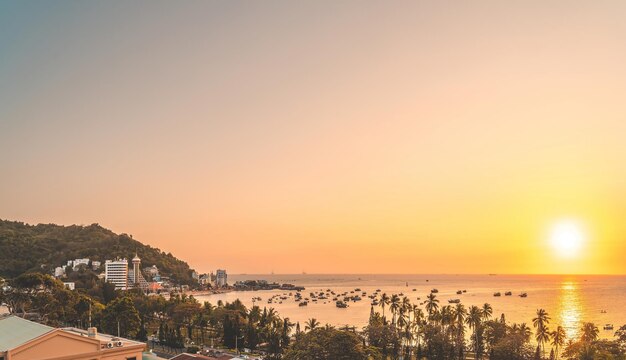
{"type": "Point", "coordinates": [384, 300]}
{"type": "Point", "coordinates": [432, 304]}
{"type": "Point", "coordinates": [121, 318]}
{"type": "Point", "coordinates": [589, 332]}
{"type": "Point", "coordinates": [487, 311]}
{"type": "Point", "coordinates": [473, 320]}
{"type": "Point", "coordinates": [329, 344]}
{"type": "Point", "coordinates": [311, 324]}
{"type": "Point", "coordinates": [542, 334]}
{"type": "Point", "coordinates": [558, 340]}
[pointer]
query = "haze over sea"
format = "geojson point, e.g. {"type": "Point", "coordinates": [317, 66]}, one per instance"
{"type": "Point", "coordinates": [570, 300]}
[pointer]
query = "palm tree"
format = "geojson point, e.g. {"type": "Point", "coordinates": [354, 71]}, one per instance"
{"type": "Point", "coordinates": [524, 330]}
{"type": "Point", "coordinates": [406, 306]}
{"type": "Point", "coordinates": [541, 324]}
{"type": "Point", "coordinates": [311, 324]}
{"type": "Point", "coordinates": [384, 300]}
{"type": "Point", "coordinates": [589, 333]}
{"type": "Point", "coordinates": [487, 311]}
{"type": "Point", "coordinates": [473, 320]}
{"type": "Point", "coordinates": [459, 315]}
{"type": "Point", "coordinates": [394, 307]}
{"type": "Point", "coordinates": [431, 304]}
{"type": "Point", "coordinates": [558, 339]}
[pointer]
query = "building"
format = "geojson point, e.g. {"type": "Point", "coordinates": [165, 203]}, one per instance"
{"type": "Point", "coordinates": [21, 339]}
{"type": "Point", "coordinates": [153, 271]}
{"type": "Point", "coordinates": [70, 285]}
{"type": "Point", "coordinates": [116, 272]}
{"type": "Point", "coordinates": [74, 264]}
{"type": "Point", "coordinates": [59, 272]}
{"type": "Point", "coordinates": [136, 279]}
{"type": "Point", "coordinates": [221, 278]}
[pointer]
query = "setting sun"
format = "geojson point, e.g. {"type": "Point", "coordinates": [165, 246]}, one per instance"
{"type": "Point", "coordinates": [567, 237]}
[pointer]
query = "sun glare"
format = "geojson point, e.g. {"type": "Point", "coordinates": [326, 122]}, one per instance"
{"type": "Point", "coordinates": [567, 238]}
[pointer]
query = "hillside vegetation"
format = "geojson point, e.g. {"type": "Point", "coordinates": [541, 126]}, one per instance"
{"type": "Point", "coordinates": [42, 247]}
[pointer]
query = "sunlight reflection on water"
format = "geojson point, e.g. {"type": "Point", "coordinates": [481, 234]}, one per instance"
{"type": "Point", "coordinates": [569, 309]}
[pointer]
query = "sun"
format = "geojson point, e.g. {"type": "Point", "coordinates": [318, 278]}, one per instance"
{"type": "Point", "coordinates": [567, 238]}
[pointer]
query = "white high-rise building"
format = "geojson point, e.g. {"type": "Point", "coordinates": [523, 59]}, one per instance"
{"type": "Point", "coordinates": [116, 272]}
{"type": "Point", "coordinates": [221, 279]}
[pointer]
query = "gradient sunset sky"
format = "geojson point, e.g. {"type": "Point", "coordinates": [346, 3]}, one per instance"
{"type": "Point", "coordinates": [322, 136]}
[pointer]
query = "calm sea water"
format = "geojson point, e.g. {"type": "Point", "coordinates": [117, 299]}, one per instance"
{"type": "Point", "coordinates": [569, 300]}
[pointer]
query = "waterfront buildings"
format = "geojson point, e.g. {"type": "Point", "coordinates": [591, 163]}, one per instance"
{"type": "Point", "coordinates": [221, 278]}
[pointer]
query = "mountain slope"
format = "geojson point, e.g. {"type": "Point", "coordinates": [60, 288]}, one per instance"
{"type": "Point", "coordinates": [43, 247]}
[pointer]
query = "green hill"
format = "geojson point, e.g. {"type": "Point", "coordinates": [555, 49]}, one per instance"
{"type": "Point", "coordinates": [43, 247]}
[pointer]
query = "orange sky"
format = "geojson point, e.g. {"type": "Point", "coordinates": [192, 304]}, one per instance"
{"type": "Point", "coordinates": [352, 137]}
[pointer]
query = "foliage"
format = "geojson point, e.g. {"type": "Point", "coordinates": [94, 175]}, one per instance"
{"type": "Point", "coordinates": [327, 344]}
{"type": "Point", "coordinates": [41, 248]}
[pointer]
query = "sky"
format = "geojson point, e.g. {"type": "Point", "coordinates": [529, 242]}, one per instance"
{"type": "Point", "coordinates": [323, 136]}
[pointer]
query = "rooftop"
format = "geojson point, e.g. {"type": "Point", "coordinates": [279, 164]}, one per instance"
{"type": "Point", "coordinates": [15, 331]}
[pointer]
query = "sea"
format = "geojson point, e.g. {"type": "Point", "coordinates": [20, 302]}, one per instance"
{"type": "Point", "coordinates": [570, 300]}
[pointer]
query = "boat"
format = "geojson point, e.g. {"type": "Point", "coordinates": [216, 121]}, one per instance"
{"type": "Point", "coordinates": [523, 295]}
{"type": "Point", "coordinates": [304, 303]}
{"type": "Point", "coordinates": [341, 304]}
{"type": "Point", "coordinates": [434, 291]}
{"type": "Point", "coordinates": [497, 294]}
{"type": "Point", "coordinates": [459, 292]}
{"type": "Point", "coordinates": [454, 301]}
{"type": "Point", "coordinates": [508, 293]}
{"type": "Point", "coordinates": [608, 327]}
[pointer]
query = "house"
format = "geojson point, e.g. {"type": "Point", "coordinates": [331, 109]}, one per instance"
{"type": "Point", "coordinates": [22, 339]}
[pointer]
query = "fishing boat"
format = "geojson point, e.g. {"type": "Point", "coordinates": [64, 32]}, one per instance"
{"type": "Point", "coordinates": [454, 301]}
{"type": "Point", "coordinates": [523, 295]}
{"type": "Point", "coordinates": [496, 294]}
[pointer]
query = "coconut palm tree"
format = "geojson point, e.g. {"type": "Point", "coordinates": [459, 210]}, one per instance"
{"type": "Point", "coordinates": [447, 316]}
{"type": "Point", "coordinates": [487, 311]}
{"type": "Point", "coordinates": [384, 300]}
{"type": "Point", "coordinates": [589, 333]}
{"type": "Point", "coordinates": [394, 306]}
{"type": "Point", "coordinates": [540, 322]}
{"type": "Point", "coordinates": [558, 339]}
{"type": "Point", "coordinates": [311, 324]}
{"type": "Point", "coordinates": [432, 304]}
{"type": "Point", "coordinates": [473, 320]}
{"type": "Point", "coordinates": [525, 332]}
